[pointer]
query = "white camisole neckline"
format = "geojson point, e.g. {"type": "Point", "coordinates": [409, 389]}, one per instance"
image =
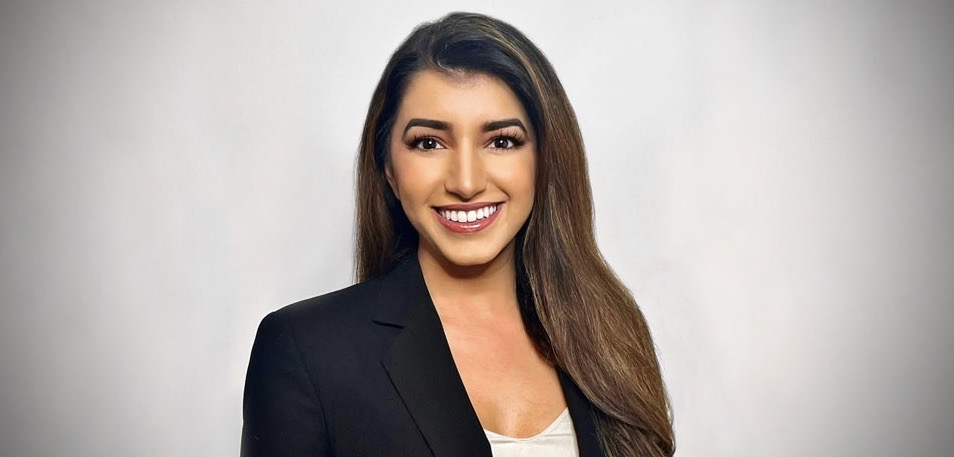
{"type": "Point", "coordinates": [557, 440]}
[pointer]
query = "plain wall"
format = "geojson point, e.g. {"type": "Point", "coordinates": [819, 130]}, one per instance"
{"type": "Point", "coordinates": [771, 179]}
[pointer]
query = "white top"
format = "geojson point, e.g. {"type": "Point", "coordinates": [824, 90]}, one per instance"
{"type": "Point", "coordinates": [557, 440]}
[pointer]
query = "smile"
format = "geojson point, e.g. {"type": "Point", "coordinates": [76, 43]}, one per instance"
{"type": "Point", "coordinates": [470, 219]}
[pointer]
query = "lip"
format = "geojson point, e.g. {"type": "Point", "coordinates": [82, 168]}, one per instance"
{"type": "Point", "coordinates": [467, 227]}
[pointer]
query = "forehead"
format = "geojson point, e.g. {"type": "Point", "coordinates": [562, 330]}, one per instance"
{"type": "Point", "coordinates": [459, 98]}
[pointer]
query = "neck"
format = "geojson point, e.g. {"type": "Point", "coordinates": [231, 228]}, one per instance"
{"type": "Point", "coordinates": [479, 292]}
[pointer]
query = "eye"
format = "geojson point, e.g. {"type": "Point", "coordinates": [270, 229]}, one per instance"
{"type": "Point", "coordinates": [505, 142]}
{"type": "Point", "coordinates": [426, 143]}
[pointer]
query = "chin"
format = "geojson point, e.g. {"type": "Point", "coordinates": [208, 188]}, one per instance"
{"type": "Point", "coordinates": [456, 255]}
{"type": "Point", "coordinates": [471, 259]}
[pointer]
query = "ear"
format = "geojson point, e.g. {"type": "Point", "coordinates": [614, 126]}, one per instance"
{"type": "Point", "coordinates": [389, 174]}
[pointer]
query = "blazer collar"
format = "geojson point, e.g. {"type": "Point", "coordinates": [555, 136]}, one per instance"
{"type": "Point", "coordinates": [421, 367]}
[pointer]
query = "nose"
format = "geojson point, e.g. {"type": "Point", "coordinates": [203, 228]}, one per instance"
{"type": "Point", "coordinates": [466, 176]}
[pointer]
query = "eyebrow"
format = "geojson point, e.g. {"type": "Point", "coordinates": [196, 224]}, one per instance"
{"type": "Point", "coordinates": [429, 123]}
{"type": "Point", "coordinates": [497, 125]}
{"type": "Point", "coordinates": [487, 127]}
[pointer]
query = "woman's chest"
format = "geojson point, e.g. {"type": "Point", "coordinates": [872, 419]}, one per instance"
{"type": "Point", "coordinates": [514, 391]}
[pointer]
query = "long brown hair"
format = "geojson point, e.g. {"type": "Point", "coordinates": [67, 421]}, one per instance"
{"type": "Point", "coordinates": [577, 311]}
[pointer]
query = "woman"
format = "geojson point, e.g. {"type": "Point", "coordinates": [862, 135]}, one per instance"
{"type": "Point", "coordinates": [486, 320]}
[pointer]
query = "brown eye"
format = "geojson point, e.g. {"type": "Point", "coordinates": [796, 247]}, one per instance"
{"type": "Point", "coordinates": [427, 143]}
{"type": "Point", "coordinates": [504, 142]}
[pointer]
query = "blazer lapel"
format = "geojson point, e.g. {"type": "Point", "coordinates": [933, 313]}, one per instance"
{"type": "Point", "coordinates": [581, 411]}
{"type": "Point", "coordinates": [421, 367]}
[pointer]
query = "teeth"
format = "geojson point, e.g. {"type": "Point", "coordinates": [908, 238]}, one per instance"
{"type": "Point", "coordinates": [469, 216]}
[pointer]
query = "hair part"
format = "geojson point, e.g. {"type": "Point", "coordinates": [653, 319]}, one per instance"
{"type": "Point", "coordinates": [577, 311]}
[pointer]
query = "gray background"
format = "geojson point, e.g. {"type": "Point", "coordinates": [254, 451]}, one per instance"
{"type": "Point", "coordinates": [771, 181]}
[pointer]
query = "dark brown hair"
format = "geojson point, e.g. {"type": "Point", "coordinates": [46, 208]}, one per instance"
{"type": "Point", "coordinates": [578, 312]}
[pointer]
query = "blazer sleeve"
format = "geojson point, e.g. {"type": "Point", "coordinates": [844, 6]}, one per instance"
{"type": "Point", "coordinates": [281, 409]}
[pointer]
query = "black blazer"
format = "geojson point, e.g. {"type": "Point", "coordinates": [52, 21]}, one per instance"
{"type": "Point", "coordinates": [366, 371]}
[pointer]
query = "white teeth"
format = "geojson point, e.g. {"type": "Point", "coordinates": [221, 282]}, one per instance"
{"type": "Point", "coordinates": [468, 216]}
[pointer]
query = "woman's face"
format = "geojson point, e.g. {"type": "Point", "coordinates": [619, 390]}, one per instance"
{"type": "Point", "coordinates": [462, 165]}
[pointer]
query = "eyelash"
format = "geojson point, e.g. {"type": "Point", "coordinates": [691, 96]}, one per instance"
{"type": "Point", "coordinates": [413, 142]}
{"type": "Point", "coordinates": [515, 139]}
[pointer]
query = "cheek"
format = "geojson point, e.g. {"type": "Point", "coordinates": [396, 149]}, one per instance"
{"type": "Point", "coordinates": [413, 177]}
{"type": "Point", "coordinates": [518, 175]}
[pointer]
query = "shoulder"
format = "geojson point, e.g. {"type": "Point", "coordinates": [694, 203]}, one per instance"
{"type": "Point", "coordinates": [301, 361]}
{"type": "Point", "coordinates": [331, 338]}
{"type": "Point", "coordinates": [327, 314]}
{"type": "Point", "coordinates": [338, 329]}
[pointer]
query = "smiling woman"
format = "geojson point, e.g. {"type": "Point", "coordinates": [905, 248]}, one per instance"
{"type": "Point", "coordinates": [486, 321]}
